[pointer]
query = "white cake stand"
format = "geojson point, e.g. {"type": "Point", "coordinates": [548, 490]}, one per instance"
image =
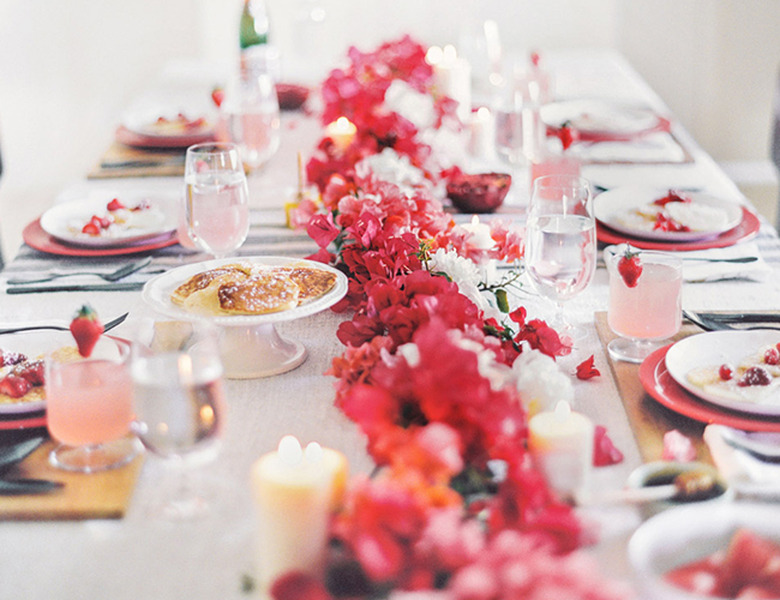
{"type": "Point", "coordinates": [250, 344]}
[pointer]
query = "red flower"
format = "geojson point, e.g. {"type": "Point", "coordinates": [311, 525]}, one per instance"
{"type": "Point", "coordinates": [604, 451]}
{"type": "Point", "coordinates": [299, 586]}
{"type": "Point", "coordinates": [586, 370]}
{"type": "Point", "coordinates": [322, 229]}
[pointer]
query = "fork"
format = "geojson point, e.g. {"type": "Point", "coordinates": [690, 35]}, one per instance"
{"type": "Point", "coordinates": [110, 325]}
{"type": "Point", "coordinates": [116, 275]}
{"type": "Point", "coordinates": [712, 324]}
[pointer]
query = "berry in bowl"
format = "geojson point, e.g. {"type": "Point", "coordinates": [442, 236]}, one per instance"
{"type": "Point", "coordinates": [479, 192]}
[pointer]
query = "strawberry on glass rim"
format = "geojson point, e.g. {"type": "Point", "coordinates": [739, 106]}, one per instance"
{"type": "Point", "coordinates": [630, 266]}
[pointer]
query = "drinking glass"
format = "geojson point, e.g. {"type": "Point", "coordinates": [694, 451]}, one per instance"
{"type": "Point", "coordinates": [216, 198]}
{"type": "Point", "coordinates": [560, 252]}
{"type": "Point", "coordinates": [89, 406]}
{"type": "Point", "coordinates": [648, 312]}
{"type": "Point", "coordinates": [249, 117]}
{"type": "Point", "coordinates": [178, 401]}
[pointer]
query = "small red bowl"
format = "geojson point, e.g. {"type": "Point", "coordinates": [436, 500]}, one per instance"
{"type": "Point", "coordinates": [478, 193]}
{"type": "Point", "coordinates": [291, 96]}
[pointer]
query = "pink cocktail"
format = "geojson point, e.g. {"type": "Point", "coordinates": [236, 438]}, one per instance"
{"type": "Point", "coordinates": [90, 407]}
{"type": "Point", "coordinates": [647, 311]}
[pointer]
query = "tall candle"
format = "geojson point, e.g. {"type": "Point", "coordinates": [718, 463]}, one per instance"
{"type": "Point", "coordinates": [342, 131]}
{"type": "Point", "coordinates": [295, 494]}
{"type": "Point", "coordinates": [452, 76]}
{"type": "Point", "coordinates": [482, 134]}
{"type": "Point", "coordinates": [561, 444]}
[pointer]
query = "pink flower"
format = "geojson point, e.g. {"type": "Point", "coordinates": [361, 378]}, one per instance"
{"type": "Point", "coordinates": [586, 370]}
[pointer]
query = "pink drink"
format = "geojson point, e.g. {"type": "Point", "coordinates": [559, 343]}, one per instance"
{"type": "Point", "coordinates": [257, 134]}
{"type": "Point", "coordinates": [89, 402]}
{"type": "Point", "coordinates": [652, 309]}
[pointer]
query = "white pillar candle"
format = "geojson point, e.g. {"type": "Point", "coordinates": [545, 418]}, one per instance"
{"type": "Point", "coordinates": [342, 131]}
{"type": "Point", "coordinates": [480, 237]}
{"type": "Point", "coordinates": [294, 493]}
{"type": "Point", "coordinates": [561, 444]}
{"type": "Point", "coordinates": [452, 77]}
{"type": "Point", "coordinates": [482, 134]}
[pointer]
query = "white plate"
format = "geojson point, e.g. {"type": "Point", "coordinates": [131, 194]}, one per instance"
{"type": "Point", "coordinates": [64, 221]}
{"type": "Point", "coordinates": [157, 291]}
{"type": "Point", "coordinates": [144, 122]}
{"type": "Point", "coordinates": [34, 345]}
{"type": "Point", "coordinates": [603, 117]}
{"type": "Point", "coordinates": [612, 206]}
{"type": "Point", "coordinates": [714, 348]}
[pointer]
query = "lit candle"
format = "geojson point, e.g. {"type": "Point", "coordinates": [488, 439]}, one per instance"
{"type": "Point", "coordinates": [482, 134]}
{"type": "Point", "coordinates": [561, 444]}
{"type": "Point", "coordinates": [295, 492]}
{"type": "Point", "coordinates": [452, 77]}
{"type": "Point", "coordinates": [342, 131]}
{"type": "Point", "coordinates": [480, 237]}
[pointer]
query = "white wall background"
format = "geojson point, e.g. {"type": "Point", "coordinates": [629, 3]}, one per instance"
{"type": "Point", "coordinates": [69, 67]}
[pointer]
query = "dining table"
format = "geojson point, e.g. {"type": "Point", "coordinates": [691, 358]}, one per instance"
{"type": "Point", "coordinates": [134, 553]}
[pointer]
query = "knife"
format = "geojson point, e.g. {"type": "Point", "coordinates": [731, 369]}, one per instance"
{"type": "Point", "coordinates": [16, 487]}
{"type": "Point", "coordinates": [141, 164]}
{"type": "Point", "coordinates": [123, 286]}
{"type": "Point", "coordinates": [742, 317]}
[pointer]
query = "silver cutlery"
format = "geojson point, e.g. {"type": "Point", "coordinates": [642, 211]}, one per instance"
{"type": "Point", "coordinates": [14, 453]}
{"type": "Point", "coordinates": [710, 323]}
{"type": "Point", "coordinates": [106, 326]}
{"type": "Point", "coordinates": [119, 286]}
{"type": "Point", "coordinates": [764, 446]}
{"type": "Point", "coordinates": [18, 487]}
{"type": "Point", "coordinates": [116, 275]}
{"type": "Point", "coordinates": [739, 259]}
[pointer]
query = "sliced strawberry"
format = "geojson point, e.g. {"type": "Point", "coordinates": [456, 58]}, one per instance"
{"type": "Point", "coordinates": [664, 222]}
{"type": "Point", "coordinates": [755, 376]}
{"type": "Point", "coordinates": [14, 386]}
{"type": "Point", "coordinates": [772, 356]}
{"type": "Point", "coordinates": [630, 267]}
{"type": "Point", "coordinates": [86, 329]}
{"type": "Point", "coordinates": [115, 204]}
{"type": "Point", "coordinates": [142, 205]}
{"type": "Point", "coordinates": [699, 577]}
{"type": "Point", "coordinates": [11, 358]}
{"type": "Point", "coordinates": [725, 372]}
{"type": "Point", "coordinates": [91, 229]}
{"type": "Point", "coordinates": [746, 560]}
{"type": "Point", "coordinates": [32, 371]}
{"type": "Point", "coordinates": [672, 196]}
{"type": "Point", "coordinates": [217, 96]}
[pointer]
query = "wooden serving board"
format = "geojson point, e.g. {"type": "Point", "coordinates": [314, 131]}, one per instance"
{"type": "Point", "coordinates": [102, 495]}
{"type": "Point", "coordinates": [650, 420]}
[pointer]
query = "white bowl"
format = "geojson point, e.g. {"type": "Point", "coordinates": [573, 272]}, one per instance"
{"type": "Point", "coordinates": [681, 535]}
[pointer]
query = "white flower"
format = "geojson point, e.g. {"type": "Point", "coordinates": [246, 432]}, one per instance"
{"type": "Point", "coordinates": [467, 276]}
{"type": "Point", "coordinates": [487, 365]}
{"type": "Point", "coordinates": [412, 105]}
{"type": "Point", "coordinates": [410, 352]}
{"type": "Point", "coordinates": [390, 166]}
{"type": "Point", "coordinates": [540, 381]}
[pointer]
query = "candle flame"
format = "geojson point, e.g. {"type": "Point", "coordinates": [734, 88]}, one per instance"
{"type": "Point", "coordinates": [289, 450]}
{"type": "Point", "coordinates": [434, 55]}
{"type": "Point", "coordinates": [562, 411]}
{"type": "Point", "coordinates": [313, 453]}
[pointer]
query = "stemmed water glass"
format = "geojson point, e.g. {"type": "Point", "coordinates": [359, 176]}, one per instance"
{"type": "Point", "coordinates": [560, 252]}
{"type": "Point", "coordinates": [178, 401]}
{"type": "Point", "coordinates": [216, 198]}
{"type": "Point", "coordinates": [249, 117]}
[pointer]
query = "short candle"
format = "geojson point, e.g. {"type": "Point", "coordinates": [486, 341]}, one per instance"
{"type": "Point", "coordinates": [342, 131]}
{"type": "Point", "coordinates": [561, 443]}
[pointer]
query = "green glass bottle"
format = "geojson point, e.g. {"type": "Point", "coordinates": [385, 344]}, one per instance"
{"type": "Point", "coordinates": [254, 25]}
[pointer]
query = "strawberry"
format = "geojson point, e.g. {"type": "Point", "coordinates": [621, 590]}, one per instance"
{"type": "Point", "coordinates": [14, 386]}
{"type": "Point", "coordinates": [115, 204]}
{"type": "Point", "coordinates": [772, 356]}
{"type": "Point", "coordinates": [32, 371]}
{"type": "Point", "coordinates": [8, 358]}
{"type": "Point", "coordinates": [630, 267]}
{"type": "Point", "coordinates": [217, 96]}
{"type": "Point", "coordinates": [567, 134]}
{"type": "Point", "coordinates": [91, 229]}
{"type": "Point", "coordinates": [725, 372]}
{"type": "Point", "coordinates": [755, 376]}
{"type": "Point", "coordinates": [86, 329]}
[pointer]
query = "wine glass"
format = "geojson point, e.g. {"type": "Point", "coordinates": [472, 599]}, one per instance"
{"type": "Point", "coordinates": [645, 301]}
{"type": "Point", "coordinates": [216, 198]}
{"type": "Point", "coordinates": [560, 250]}
{"type": "Point", "coordinates": [249, 117]}
{"type": "Point", "coordinates": [89, 406]}
{"type": "Point", "coordinates": [178, 400]}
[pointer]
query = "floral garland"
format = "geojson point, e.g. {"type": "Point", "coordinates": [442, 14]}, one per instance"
{"type": "Point", "coordinates": [435, 371]}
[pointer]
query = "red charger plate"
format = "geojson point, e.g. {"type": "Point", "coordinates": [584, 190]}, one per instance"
{"type": "Point", "coordinates": [35, 237]}
{"type": "Point", "coordinates": [746, 229]}
{"type": "Point", "coordinates": [662, 387]}
{"type": "Point", "coordinates": [23, 423]}
{"type": "Point", "coordinates": [139, 140]}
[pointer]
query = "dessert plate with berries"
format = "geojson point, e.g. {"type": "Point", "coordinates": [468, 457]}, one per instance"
{"type": "Point", "coordinates": [106, 220]}
{"type": "Point", "coordinates": [665, 215]}
{"type": "Point", "coordinates": [738, 370]}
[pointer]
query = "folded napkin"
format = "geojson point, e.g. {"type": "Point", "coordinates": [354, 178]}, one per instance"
{"type": "Point", "coordinates": [659, 147]}
{"type": "Point", "coordinates": [701, 271]}
{"type": "Point", "coordinates": [746, 474]}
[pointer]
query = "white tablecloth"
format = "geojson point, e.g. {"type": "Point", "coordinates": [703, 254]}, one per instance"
{"type": "Point", "coordinates": [143, 557]}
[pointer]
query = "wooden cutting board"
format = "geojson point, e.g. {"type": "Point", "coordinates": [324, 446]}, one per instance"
{"type": "Point", "coordinates": [650, 420]}
{"type": "Point", "coordinates": [102, 495]}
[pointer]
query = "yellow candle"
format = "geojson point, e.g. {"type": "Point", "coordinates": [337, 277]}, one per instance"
{"type": "Point", "coordinates": [561, 444]}
{"type": "Point", "coordinates": [342, 131]}
{"type": "Point", "coordinates": [294, 493]}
